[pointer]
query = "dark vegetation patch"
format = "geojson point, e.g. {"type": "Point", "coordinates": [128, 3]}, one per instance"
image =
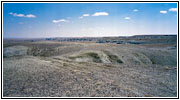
{"type": "Point", "coordinates": [113, 58]}
{"type": "Point", "coordinates": [95, 57]}
{"type": "Point", "coordinates": [142, 58]}
{"type": "Point", "coordinates": [153, 61]}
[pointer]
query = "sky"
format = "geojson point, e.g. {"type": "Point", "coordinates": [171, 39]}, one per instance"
{"type": "Point", "coordinates": [38, 20]}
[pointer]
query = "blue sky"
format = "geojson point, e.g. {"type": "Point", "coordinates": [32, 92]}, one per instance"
{"type": "Point", "coordinates": [34, 20]}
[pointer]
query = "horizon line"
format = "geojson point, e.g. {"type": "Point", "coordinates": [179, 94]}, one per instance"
{"type": "Point", "coordinates": [87, 36]}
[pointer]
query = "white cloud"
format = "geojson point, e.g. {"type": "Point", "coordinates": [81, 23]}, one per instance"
{"type": "Point", "coordinates": [100, 14]}
{"type": "Point", "coordinates": [173, 9]}
{"type": "Point", "coordinates": [22, 15]}
{"type": "Point", "coordinates": [135, 10]}
{"type": "Point", "coordinates": [30, 16]}
{"type": "Point", "coordinates": [58, 21]}
{"type": "Point", "coordinates": [163, 12]}
{"type": "Point", "coordinates": [127, 18]}
{"type": "Point", "coordinates": [18, 15]}
{"type": "Point", "coordinates": [86, 15]}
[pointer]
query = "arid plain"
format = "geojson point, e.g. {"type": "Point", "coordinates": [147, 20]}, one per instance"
{"type": "Point", "coordinates": [137, 66]}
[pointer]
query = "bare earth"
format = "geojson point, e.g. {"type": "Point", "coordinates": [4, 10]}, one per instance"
{"type": "Point", "coordinates": [88, 69]}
